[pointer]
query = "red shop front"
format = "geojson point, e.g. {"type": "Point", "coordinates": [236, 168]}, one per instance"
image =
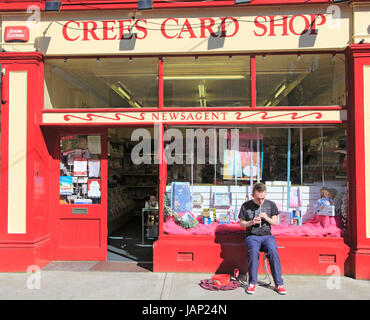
{"type": "Point", "coordinates": [171, 122]}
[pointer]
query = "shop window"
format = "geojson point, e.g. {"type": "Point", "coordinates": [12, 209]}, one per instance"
{"type": "Point", "coordinates": [217, 81]}
{"type": "Point", "coordinates": [80, 169]}
{"type": "Point", "coordinates": [101, 83]}
{"type": "Point", "coordinates": [211, 171]}
{"type": "Point", "coordinates": [325, 156]}
{"type": "Point", "coordinates": [300, 80]}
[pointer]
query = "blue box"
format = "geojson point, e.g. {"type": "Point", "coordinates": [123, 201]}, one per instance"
{"type": "Point", "coordinates": [180, 197]}
{"type": "Point", "coordinates": [206, 220]}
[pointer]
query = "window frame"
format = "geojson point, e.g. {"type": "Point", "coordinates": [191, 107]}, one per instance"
{"type": "Point", "coordinates": [253, 98]}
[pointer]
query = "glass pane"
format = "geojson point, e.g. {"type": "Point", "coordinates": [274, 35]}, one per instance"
{"type": "Point", "coordinates": [300, 80]}
{"type": "Point", "coordinates": [209, 177]}
{"type": "Point", "coordinates": [325, 174]}
{"type": "Point", "coordinates": [325, 156]}
{"type": "Point", "coordinates": [101, 83]}
{"type": "Point", "coordinates": [207, 81]}
{"type": "Point", "coordinates": [80, 179]}
{"type": "Point", "coordinates": [275, 149]}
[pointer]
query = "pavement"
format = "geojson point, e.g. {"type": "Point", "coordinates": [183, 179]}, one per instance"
{"type": "Point", "coordinates": [81, 282]}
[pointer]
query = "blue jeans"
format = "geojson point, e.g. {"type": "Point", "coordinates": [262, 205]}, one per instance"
{"type": "Point", "coordinates": [265, 243]}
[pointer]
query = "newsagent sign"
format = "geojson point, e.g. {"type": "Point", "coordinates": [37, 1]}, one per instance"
{"type": "Point", "coordinates": [204, 117]}
{"type": "Point", "coordinates": [232, 30]}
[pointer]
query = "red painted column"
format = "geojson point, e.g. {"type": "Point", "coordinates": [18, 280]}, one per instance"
{"type": "Point", "coordinates": [30, 246]}
{"type": "Point", "coordinates": [253, 80]}
{"type": "Point", "coordinates": [358, 56]}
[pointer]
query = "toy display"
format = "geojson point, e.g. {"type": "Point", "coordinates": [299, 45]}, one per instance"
{"type": "Point", "coordinates": [296, 221]}
{"type": "Point", "coordinates": [180, 197]}
{"type": "Point", "coordinates": [285, 218]}
{"type": "Point", "coordinates": [152, 226]}
{"type": "Point", "coordinates": [222, 199]}
{"type": "Point", "coordinates": [224, 218]}
{"type": "Point", "coordinates": [213, 210]}
{"type": "Point", "coordinates": [326, 197]}
{"type": "Point", "coordinates": [327, 211]}
{"type": "Point", "coordinates": [189, 220]}
{"type": "Point", "coordinates": [296, 218]}
{"type": "Point", "coordinates": [206, 219]}
{"type": "Point", "coordinates": [197, 199]}
{"type": "Point", "coordinates": [325, 206]}
{"type": "Point", "coordinates": [152, 203]}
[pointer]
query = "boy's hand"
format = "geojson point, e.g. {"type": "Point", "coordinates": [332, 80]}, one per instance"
{"type": "Point", "coordinates": [257, 220]}
{"type": "Point", "coordinates": [263, 216]}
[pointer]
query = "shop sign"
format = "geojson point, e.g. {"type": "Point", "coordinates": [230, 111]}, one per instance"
{"type": "Point", "coordinates": [200, 28]}
{"type": "Point", "coordinates": [284, 25]}
{"type": "Point", "coordinates": [227, 30]}
{"type": "Point", "coordinates": [127, 29]}
{"type": "Point", "coordinates": [273, 116]}
{"type": "Point", "coordinates": [16, 34]}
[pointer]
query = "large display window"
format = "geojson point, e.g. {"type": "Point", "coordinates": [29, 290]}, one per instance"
{"type": "Point", "coordinates": [214, 168]}
{"type": "Point", "coordinates": [101, 83]}
{"type": "Point", "coordinates": [218, 81]}
{"type": "Point", "coordinates": [211, 171]}
{"type": "Point", "coordinates": [300, 80]}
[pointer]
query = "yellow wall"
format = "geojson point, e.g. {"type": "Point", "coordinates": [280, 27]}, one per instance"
{"type": "Point", "coordinates": [17, 171]}
{"type": "Point", "coordinates": [361, 18]}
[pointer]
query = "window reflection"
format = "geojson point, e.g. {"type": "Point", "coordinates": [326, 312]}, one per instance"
{"type": "Point", "coordinates": [218, 81]}
{"type": "Point", "coordinates": [101, 83]}
{"type": "Point", "coordinates": [204, 81]}
{"type": "Point", "coordinates": [300, 80]}
{"type": "Point", "coordinates": [215, 168]}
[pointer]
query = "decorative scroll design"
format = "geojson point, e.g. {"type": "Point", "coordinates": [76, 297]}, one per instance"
{"type": "Point", "coordinates": [266, 117]}
{"type": "Point", "coordinates": [117, 117]}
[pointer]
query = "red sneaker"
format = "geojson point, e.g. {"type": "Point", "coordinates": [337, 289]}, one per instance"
{"type": "Point", "coordinates": [280, 290]}
{"type": "Point", "coordinates": [251, 289]}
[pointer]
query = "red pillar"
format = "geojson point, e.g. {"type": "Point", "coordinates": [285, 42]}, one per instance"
{"type": "Point", "coordinates": [30, 246]}
{"type": "Point", "coordinates": [358, 56]}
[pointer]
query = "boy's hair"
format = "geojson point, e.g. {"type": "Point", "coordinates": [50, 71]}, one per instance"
{"type": "Point", "coordinates": [259, 187]}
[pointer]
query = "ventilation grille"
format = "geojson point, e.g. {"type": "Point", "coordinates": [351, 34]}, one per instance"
{"type": "Point", "coordinates": [185, 256]}
{"type": "Point", "coordinates": [327, 258]}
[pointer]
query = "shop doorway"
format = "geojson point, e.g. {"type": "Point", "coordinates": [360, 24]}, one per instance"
{"type": "Point", "coordinates": [132, 211]}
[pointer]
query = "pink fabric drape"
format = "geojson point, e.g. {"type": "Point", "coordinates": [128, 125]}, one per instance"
{"type": "Point", "coordinates": [318, 226]}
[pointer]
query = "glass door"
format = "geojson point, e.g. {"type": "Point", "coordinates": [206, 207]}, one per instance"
{"type": "Point", "coordinates": [81, 224]}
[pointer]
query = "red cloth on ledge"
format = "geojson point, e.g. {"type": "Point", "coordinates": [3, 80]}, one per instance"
{"type": "Point", "coordinates": [318, 226]}
{"type": "Point", "coordinates": [171, 227]}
